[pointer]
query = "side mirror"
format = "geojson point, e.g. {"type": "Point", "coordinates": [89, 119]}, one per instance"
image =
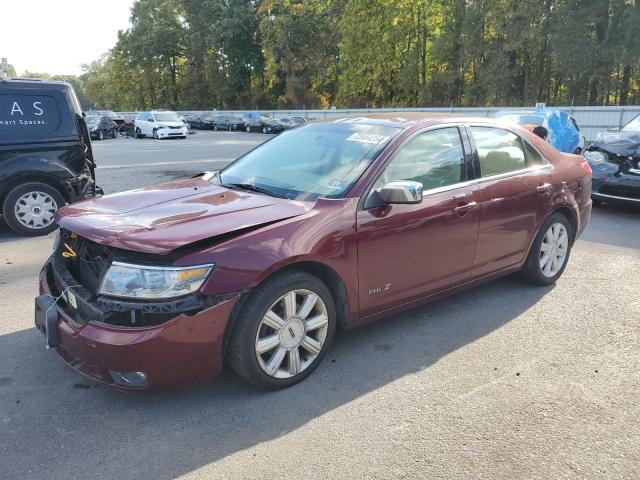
{"type": "Point", "coordinates": [150, 120]}
{"type": "Point", "coordinates": [401, 192]}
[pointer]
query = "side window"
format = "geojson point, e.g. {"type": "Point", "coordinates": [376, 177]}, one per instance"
{"type": "Point", "coordinates": [499, 151]}
{"type": "Point", "coordinates": [434, 158]}
{"type": "Point", "coordinates": [532, 156]}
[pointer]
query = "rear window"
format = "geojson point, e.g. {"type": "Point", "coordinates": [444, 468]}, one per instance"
{"type": "Point", "coordinates": [28, 116]}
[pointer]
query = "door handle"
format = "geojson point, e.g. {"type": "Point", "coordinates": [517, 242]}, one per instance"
{"type": "Point", "coordinates": [544, 189]}
{"type": "Point", "coordinates": [464, 208]}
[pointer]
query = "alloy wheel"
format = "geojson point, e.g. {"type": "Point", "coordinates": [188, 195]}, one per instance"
{"type": "Point", "coordinates": [291, 334]}
{"type": "Point", "coordinates": [554, 249]}
{"type": "Point", "coordinates": [35, 210]}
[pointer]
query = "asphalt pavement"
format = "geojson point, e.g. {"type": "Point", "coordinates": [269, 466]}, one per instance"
{"type": "Point", "coordinates": [505, 380]}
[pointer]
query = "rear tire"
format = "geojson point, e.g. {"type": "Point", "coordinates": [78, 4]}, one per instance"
{"type": "Point", "coordinates": [549, 252]}
{"type": "Point", "coordinates": [139, 133]}
{"type": "Point", "coordinates": [100, 135]}
{"type": "Point", "coordinates": [248, 129]}
{"type": "Point", "coordinates": [300, 341]}
{"type": "Point", "coordinates": [114, 133]}
{"type": "Point", "coordinates": [596, 202]}
{"type": "Point", "coordinates": [28, 208]}
{"type": "Point", "coordinates": [155, 134]}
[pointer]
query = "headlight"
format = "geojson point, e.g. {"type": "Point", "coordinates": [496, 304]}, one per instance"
{"type": "Point", "coordinates": [140, 281]}
{"type": "Point", "coordinates": [595, 157]}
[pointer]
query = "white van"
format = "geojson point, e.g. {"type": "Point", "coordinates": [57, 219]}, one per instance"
{"type": "Point", "coordinates": [160, 124]}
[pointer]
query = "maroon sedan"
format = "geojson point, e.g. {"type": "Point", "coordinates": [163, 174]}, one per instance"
{"type": "Point", "coordinates": [329, 225]}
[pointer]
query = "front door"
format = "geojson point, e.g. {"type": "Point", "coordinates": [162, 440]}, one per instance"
{"type": "Point", "coordinates": [406, 252]}
{"type": "Point", "coordinates": [514, 193]}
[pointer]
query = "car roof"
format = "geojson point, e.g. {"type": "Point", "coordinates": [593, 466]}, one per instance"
{"type": "Point", "coordinates": [35, 83]}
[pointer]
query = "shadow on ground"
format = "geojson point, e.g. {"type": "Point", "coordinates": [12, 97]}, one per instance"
{"type": "Point", "coordinates": [91, 431]}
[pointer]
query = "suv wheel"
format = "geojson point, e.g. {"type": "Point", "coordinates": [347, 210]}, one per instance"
{"type": "Point", "coordinates": [215, 128]}
{"type": "Point", "coordinates": [29, 208]}
{"type": "Point", "coordinates": [248, 128]}
{"type": "Point", "coordinates": [139, 133]}
{"type": "Point", "coordinates": [114, 133]}
{"type": "Point", "coordinates": [155, 133]}
{"type": "Point", "coordinates": [100, 135]}
{"type": "Point", "coordinates": [283, 330]}
{"type": "Point", "coordinates": [550, 251]}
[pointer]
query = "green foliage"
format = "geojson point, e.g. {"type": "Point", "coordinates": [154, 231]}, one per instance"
{"type": "Point", "coordinates": [206, 54]}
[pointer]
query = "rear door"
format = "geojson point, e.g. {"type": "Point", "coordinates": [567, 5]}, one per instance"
{"type": "Point", "coordinates": [406, 252]}
{"type": "Point", "coordinates": [514, 190]}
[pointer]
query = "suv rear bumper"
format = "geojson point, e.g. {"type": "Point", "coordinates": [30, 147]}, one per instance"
{"type": "Point", "coordinates": [183, 351]}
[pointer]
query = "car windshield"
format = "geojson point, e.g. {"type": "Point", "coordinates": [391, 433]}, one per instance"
{"type": "Point", "coordinates": [522, 119]}
{"type": "Point", "coordinates": [167, 117]}
{"type": "Point", "coordinates": [633, 125]}
{"type": "Point", "coordinates": [318, 160]}
{"type": "Point", "coordinates": [92, 120]}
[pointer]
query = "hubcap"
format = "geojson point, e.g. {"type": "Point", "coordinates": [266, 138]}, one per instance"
{"type": "Point", "coordinates": [553, 250]}
{"type": "Point", "coordinates": [291, 334]}
{"type": "Point", "coordinates": [35, 210]}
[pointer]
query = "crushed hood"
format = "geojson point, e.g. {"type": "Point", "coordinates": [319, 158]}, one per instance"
{"type": "Point", "coordinates": [625, 144]}
{"type": "Point", "coordinates": [161, 218]}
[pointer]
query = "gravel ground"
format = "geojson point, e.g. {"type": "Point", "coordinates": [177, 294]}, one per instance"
{"type": "Point", "coordinates": [501, 381]}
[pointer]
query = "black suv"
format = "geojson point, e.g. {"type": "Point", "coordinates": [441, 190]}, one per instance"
{"type": "Point", "coordinates": [45, 153]}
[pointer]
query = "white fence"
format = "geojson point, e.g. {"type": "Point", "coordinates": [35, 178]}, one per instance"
{"type": "Point", "coordinates": [591, 119]}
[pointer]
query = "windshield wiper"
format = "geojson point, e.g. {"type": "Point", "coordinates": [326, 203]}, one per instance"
{"type": "Point", "coordinates": [252, 188]}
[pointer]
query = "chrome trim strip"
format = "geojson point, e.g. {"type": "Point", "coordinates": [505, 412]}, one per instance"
{"type": "Point", "coordinates": [614, 197]}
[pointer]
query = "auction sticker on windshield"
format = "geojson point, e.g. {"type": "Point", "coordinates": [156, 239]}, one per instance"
{"type": "Point", "coordinates": [367, 138]}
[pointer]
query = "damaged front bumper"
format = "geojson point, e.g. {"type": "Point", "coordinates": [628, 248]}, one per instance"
{"type": "Point", "coordinates": [615, 179]}
{"type": "Point", "coordinates": [184, 349]}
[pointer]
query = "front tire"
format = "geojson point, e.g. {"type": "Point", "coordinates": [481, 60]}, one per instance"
{"type": "Point", "coordinates": [155, 134]}
{"type": "Point", "coordinates": [248, 129]}
{"type": "Point", "coordinates": [28, 209]}
{"type": "Point", "coordinates": [100, 135]}
{"type": "Point", "coordinates": [283, 331]}
{"type": "Point", "coordinates": [550, 251]}
{"type": "Point", "coordinates": [139, 133]}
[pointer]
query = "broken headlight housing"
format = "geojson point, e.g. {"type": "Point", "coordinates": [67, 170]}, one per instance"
{"type": "Point", "coordinates": [150, 283]}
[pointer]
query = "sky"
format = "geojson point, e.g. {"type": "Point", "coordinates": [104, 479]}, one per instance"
{"type": "Point", "coordinates": [58, 36]}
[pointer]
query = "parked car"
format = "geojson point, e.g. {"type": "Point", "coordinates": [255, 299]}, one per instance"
{"type": "Point", "coordinates": [46, 158]}
{"type": "Point", "coordinates": [615, 160]}
{"type": "Point", "coordinates": [186, 120]}
{"type": "Point", "coordinates": [228, 122]}
{"type": "Point", "coordinates": [199, 121]}
{"type": "Point", "coordinates": [564, 132]}
{"type": "Point", "coordinates": [258, 264]}
{"type": "Point", "coordinates": [118, 119]}
{"type": "Point", "coordinates": [129, 127]}
{"type": "Point", "coordinates": [101, 127]}
{"type": "Point", "coordinates": [160, 124]}
{"type": "Point", "coordinates": [289, 122]}
{"type": "Point", "coordinates": [209, 121]}
{"type": "Point", "coordinates": [255, 121]}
